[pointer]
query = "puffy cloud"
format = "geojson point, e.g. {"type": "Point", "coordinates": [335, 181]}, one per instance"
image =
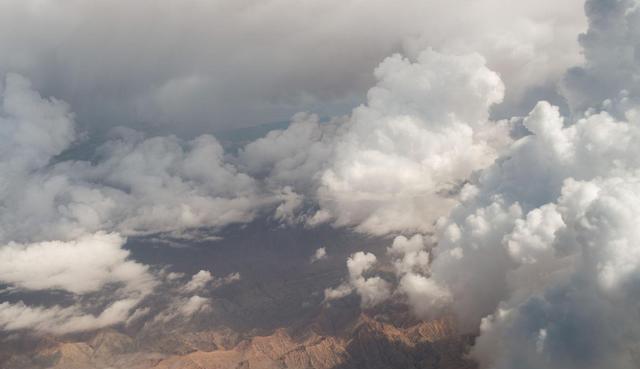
{"type": "Point", "coordinates": [193, 305]}
{"type": "Point", "coordinates": [343, 290]}
{"type": "Point", "coordinates": [80, 266]}
{"type": "Point", "coordinates": [198, 281]}
{"type": "Point", "coordinates": [411, 264]}
{"type": "Point", "coordinates": [425, 296]}
{"type": "Point", "coordinates": [32, 129]}
{"type": "Point", "coordinates": [57, 213]}
{"type": "Point", "coordinates": [61, 320]}
{"type": "Point", "coordinates": [389, 165]}
{"type": "Point", "coordinates": [372, 290]}
{"type": "Point", "coordinates": [574, 307]}
{"type": "Point", "coordinates": [541, 255]}
{"type": "Point", "coordinates": [204, 278]}
{"type": "Point", "coordinates": [416, 139]}
{"type": "Point", "coordinates": [292, 156]}
{"type": "Point", "coordinates": [609, 78]}
{"type": "Point", "coordinates": [163, 184]}
{"type": "Point", "coordinates": [410, 254]}
{"type": "Point", "coordinates": [320, 254]}
{"type": "Point", "coordinates": [135, 184]}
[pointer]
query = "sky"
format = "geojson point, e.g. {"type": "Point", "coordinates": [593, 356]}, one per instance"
{"type": "Point", "coordinates": [493, 144]}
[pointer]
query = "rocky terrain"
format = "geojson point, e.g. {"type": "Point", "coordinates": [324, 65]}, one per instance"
{"type": "Point", "coordinates": [333, 340]}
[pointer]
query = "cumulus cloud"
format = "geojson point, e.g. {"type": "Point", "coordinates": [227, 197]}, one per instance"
{"type": "Point", "coordinates": [609, 78]}
{"type": "Point", "coordinates": [540, 252]}
{"type": "Point", "coordinates": [82, 266]}
{"type": "Point", "coordinates": [389, 166]}
{"type": "Point", "coordinates": [410, 260]}
{"type": "Point", "coordinates": [372, 290]}
{"type": "Point", "coordinates": [204, 278]}
{"type": "Point", "coordinates": [79, 266]}
{"type": "Point", "coordinates": [417, 137]}
{"type": "Point", "coordinates": [546, 243]}
{"type": "Point", "coordinates": [320, 254]}
{"type": "Point", "coordinates": [63, 222]}
{"type": "Point", "coordinates": [198, 281]}
{"type": "Point", "coordinates": [135, 185]}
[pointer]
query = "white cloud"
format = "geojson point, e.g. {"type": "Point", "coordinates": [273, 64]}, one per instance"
{"type": "Point", "coordinates": [416, 138]}
{"type": "Point", "coordinates": [388, 166]}
{"type": "Point", "coordinates": [57, 214]}
{"type": "Point", "coordinates": [204, 278]}
{"type": "Point", "coordinates": [61, 320]}
{"type": "Point", "coordinates": [79, 266]}
{"type": "Point", "coordinates": [320, 254]}
{"type": "Point", "coordinates": [410, 254]}
{"type": "Point", "coordinates": [82, 266]}
{"type": "Point", "coordinates": [194, 304]}
{"type": "Point", "coordinates": [136, 185]}
{"type": "Point", "coordinates": [425, 296]}
{"type": "Point", "coordinates": [343, 290]}
{"type": "Point", "coordinates": [549, 237]}
{"type": "Point", "coordinates": [372, 290]}
{"type": "Point", "coordinates": [198, 281]}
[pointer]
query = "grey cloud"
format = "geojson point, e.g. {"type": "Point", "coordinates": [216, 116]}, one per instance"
{"type": "Point", "coordinates": [609, 78]}
{"type": "Point", "coordinates": [189, 67]}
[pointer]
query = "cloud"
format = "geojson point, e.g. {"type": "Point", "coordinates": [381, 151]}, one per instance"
{"type": "Point", "coordinates": [185, 300]}
{"type": "Point", "coordinates": [388, 166]}
{"type": "Point", "coordinates": [83, 266]}
{"type": "Point", "coordinates": [391, 161]}
{"type": "Point", "coordinates": [372, 290]}
{"type": "Point", "coordinates": [61, 320]}
{"type": "Point", "coordinates": [135, 185]}
{"type": "Point", "coordinates": [410, 254]}
{"type": "Point", "coordinates": [204, 278]}
{"type": "Point", "coordinates": [417, 138]}
{"type": "Point", "coordinates": [198, 281]}
{"type": "Point", "coordinates": [63, 222]}
{"type": "Point", "coordinates": [542, 257]}
{"type": "Point", "coordinates": [539, 251]}
{"type": "Point", "coordinates": [608, 80]}
{"type": "Point", "coordinates": [320, 254]}
{"type": "Point", "coordinates": [261, 61]}
{"type": "Point", "coordinates": [193, 305]}
{"type": "Point", "coordinates": [79, 266]}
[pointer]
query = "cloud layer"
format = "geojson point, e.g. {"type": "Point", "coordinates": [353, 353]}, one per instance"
{"type": "Point", "coordinates": [185, 67]}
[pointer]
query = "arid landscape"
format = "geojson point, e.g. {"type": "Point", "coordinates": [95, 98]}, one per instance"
{"type": "Point", "coordinates": [365, 340]}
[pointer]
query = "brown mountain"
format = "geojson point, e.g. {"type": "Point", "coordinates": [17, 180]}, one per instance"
{"type": "Point", "coordinates": [369, 341]}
